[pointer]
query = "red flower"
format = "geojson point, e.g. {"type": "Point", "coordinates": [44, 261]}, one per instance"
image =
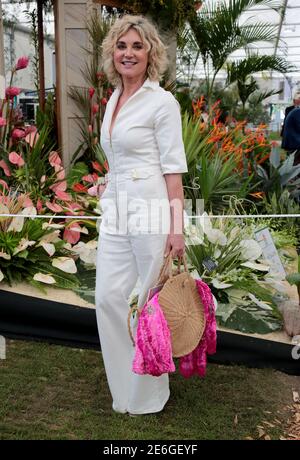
{"type": "Point", "coordinates": [97, 166]}
{"type": "Point", "coordinates": [2, 121]}
{"type": "Point", "coordinates": [79, 188]}
{"type": "Point", "coordinates": [91, 92]}
{"type": "Point", "coordinates": [12, 91]}
{"type": "Point", "coordinates": [95, 108]}
{"type": "Point", "coordinates": [109, 92]}
{"type": "Point", "coordinates": [100, 75]}
{"type": "Point", "coordinates": [5, 168]}
{"type": "Point", "coordinates": [104, 101]}
{"type": "Point", "coordinates": [22, 63]}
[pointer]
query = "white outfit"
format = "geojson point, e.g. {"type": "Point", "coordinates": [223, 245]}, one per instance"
{"type": "Point", "coordinates": [146, 143]}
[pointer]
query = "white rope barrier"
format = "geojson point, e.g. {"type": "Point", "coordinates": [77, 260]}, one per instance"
{"type": "Point", "coordinates": [221, 216]}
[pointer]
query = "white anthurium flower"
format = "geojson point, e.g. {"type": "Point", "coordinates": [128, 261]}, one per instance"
{"type": "Point", "coordinates": [49, 247]}
{"type": "Point", "coordinates": [5, 256]}
{"type": "Point", "coordinates": [80, 230]}
{"type": "Point", "coordinates": [16, 224]}
{"type": "Point", "coordinates": [250, 250]}
{"type": "Point", "coordinates": [88, 254]}
{"type": "Point", "coordinates": [24, 244]}
{"type": "Point", "coordinates": [68, 246]}
{"type": "Point", "coordinates": [29, 211]}
{"type": "Point", "coordinates": [51, 237]}
{"type": "Point", "coordinates": [217, 253]}
{"type": "Point", "coordinates": [255, 266]}
{"type": "Point", "coordinates": [205, 222]}
{"type": "Point", "coordinates": [47, 279]}
{"type": "Point", "coordinates": [93, 244]}
{"type": "Point", "coordinates": [216, 236]}
{"type": "Point", "coordinates": [234, 233]}
{"type": "Point", "coordinates": [47, 225]}
{"type": "Point", "coordinates": [258, 302]}
{"type": "Point", "coordinates": [65, 264]}
{"type": "Point", "coordinates": [1, 276]}
{"type": "Point", "coordinates": [219, 285]}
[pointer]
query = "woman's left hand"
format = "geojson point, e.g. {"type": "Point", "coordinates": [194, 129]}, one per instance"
{"type": "Point", "coordinates": [175, 244]}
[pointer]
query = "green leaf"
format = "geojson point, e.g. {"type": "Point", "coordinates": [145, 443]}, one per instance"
{"type": "Point", "coordinates": [293, 278]}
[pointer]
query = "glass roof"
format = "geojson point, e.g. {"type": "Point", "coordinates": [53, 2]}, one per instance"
{"type": "Point", "coordinates": [288, 44]}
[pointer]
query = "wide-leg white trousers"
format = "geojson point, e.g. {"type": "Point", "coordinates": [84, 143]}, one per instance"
{"type": "Point", "coordinates": [121, 260]}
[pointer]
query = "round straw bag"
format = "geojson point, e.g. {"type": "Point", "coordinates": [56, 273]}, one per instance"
{"type": "Point", "coordinates": [183, 309]}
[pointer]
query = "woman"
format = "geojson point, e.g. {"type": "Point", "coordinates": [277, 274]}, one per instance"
{"type": "Point", "coordinates": [141, 137]}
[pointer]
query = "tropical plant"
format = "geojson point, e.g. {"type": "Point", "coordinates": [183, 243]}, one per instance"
{"type": "Point", "coordinates": [228, 259]}
{"type": "Point", "coordinates": [27, 247]}
{"type": "Point", "coordinates": [91, 101]}
{"type": "Point", "coordinates": [218, 33]}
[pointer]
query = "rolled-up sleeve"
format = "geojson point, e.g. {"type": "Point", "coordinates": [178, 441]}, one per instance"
{"type": "Point", "coordinates": [168, 134]}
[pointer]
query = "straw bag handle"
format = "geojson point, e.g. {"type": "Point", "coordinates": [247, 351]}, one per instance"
{"type": "Point", "coordinates": [132, 310]}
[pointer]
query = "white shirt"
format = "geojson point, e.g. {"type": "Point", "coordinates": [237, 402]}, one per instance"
{"type": "Point", "coordinates": [147, 131]}
{"type": "Point", "coordinates": [145, 143]}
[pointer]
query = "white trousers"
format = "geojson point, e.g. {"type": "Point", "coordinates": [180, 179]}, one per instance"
{"type": "Point", "coordinates": [121, 260]}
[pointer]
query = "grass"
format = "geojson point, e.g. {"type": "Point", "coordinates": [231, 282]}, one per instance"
{"type": "Point", "coordinates": [54, 392]}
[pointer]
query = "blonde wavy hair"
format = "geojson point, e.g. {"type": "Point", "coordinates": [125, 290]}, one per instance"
{"type": "Point", "coordinates": [157, 57]}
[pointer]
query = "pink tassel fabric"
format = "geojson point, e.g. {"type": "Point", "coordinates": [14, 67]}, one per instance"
{"type": "Point", "coordinates": [195, 362]}
{"type": "Point", "coordinates": [153, 350]}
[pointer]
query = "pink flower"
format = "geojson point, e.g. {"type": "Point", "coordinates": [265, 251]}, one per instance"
{"type": "Point", "coordinates": [39, 205]}
{"type": "Point", "coordinates": [70, 235]}
{"type": "Point", "coordinates": [90, 178]}
{"type": "Point", "coordinates": [5, 168]}
{"type": "Point", "coordinates": [104, 101]}
{"type": "Point", "coordinates": [31, 135]}
{"type": "Point", "coordinates": [93, 191]}
{"type": "Point", "coordinates": [60, 172]}
{"type": "Point", "coordinates": [95, 109]}
{"type": "Point", "coordinates": [12, 91]}
{"type": "Point", "coordinates": [90, 129]}
{"type": "Point", "coordinates": [91, 92]}
{"type": "Point", "coordinates": [97, 166]}
{"type": "Point", "coordinates": [54, 206]}
{"type": "Point", "coordinates": [27, 202]}
{"type": "Point", "coordinates": [4, 184]}
{"type": "Point", "coordinates": [18, 134]}
{"type": "Point", "coordinates": [2, 121]}
{"type": "Point", "coordinates": [59, 186]}
{"type": "Point", "coordinates": [63, 195]}
{"type": "Point", "coordinates": [22, 63]}
{"type": "Point", "coordinates": [16, 159]}
{"type": "Point", "coordinates": [54, 159]}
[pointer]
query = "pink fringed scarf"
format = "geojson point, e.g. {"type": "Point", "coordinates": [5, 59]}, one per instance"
{"type": "Point", "coordinates": [153, 350]}
{"type": "Point", "coordinates": [195, 362]}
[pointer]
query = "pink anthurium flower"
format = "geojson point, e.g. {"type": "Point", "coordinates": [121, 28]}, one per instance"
{"type": "Point", "coordinates": [12, 91]}
{"type": "Point", "coordinates": [16, 159]}
{"type": "Point", "coordinates": [54, 159]}
{"type": "Point", "coordinates": [72, 233]}
{"type": "Point", "coordinates": [18, 134]}
{"type": "Point", "coordinates": [54, 206]}
{"type": "Point", "coordinates": [93, 191]}
{"type": "Point", "coordinates": [4, 184]}
{"type": "Point", "coordinates": [31, 135]}
{"type": "Point", "coordinates": [90, 177]}
{"type": "Point", "coordinates": [39, 205]}
{"type": "Point", "coordinates": [95, 109]}
{"type": "Point", "coordinates": [91, 92]}
{"type": "Point", "coordinates": [59, 186]}
{"type": "Point", "coordinates": [60, 172]}
{"type": "Point", "coordinates": [63, 195]}
{"type": "Point", "coordinates": [22, 63]}
{"type": "Point", "coordinates": [5, 168]}
{"type": "Point", "coordinates": [2, 122]}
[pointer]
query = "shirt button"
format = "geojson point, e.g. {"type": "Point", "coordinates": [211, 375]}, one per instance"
{"type": "Point", "coordinates": [134, 174]}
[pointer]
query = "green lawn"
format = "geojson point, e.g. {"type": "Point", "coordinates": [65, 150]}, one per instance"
{"type": "Point", "coordinates": [54, 392]}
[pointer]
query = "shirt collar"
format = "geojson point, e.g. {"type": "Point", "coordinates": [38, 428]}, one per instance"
{"type": "Point", "coordinates": [147, 84]}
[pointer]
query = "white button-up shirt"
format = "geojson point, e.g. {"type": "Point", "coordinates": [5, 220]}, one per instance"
{"type": "Point", "coordinates": [145, 143]}
{"type": "Point", "coordinates": [147, 131]}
